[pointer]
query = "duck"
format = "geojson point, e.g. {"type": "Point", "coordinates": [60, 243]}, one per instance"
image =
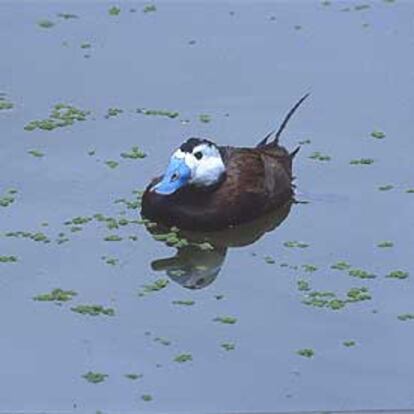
{"type": "Point", "coordinates": [209, 187]}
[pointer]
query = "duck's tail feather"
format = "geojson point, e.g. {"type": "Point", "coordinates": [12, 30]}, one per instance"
{"type": "Point", "coordinates": [283, 125]}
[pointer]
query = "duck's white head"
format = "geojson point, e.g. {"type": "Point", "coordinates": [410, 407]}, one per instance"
{"type": "Point", "coordinates": [197, 162]}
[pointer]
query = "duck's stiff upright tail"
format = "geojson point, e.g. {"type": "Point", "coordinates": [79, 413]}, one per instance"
{"type": "Point", "coordinates": [283, 125]}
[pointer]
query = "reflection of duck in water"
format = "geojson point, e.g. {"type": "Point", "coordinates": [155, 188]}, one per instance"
{"type": "Point", "coordinates": [210, 187]}
{"type": "Point", "coordinates": [200, 256]}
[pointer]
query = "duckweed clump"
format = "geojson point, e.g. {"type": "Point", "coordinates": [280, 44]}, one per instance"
{"type": "Point", "coordinates": [94, 377]}
{"type": "Point", "coordinates": [158, 112]}
{"type": "Point", "coordinates": [45, 24]}
{"type": "Point", "coordinates": [112, 164]}
{"type": "Point", "coordinates": [56, 295]}
{"type": "Point", "coordinates": [410, 191]}
{"type": "Point", "coordinates": [61, 116]}
{"type": "Point", "coordinates": [162, 341]}
{"type": "Point", "coordinates": [8, 259]}
{"type": "Point", "coordinates": [341, 265]}
{"type": "Point", "coordinates": [110, 260]}
{"type": "Point", "coordinates": [204, 118]}
{"type": "Point", "coordinates": [319, 156]}
{"type": "Point", "coordinates": [386, 187]}
{"type": "Point", "coordinates": [36, 153]}
{"type": "Point", "coordinates": [227, 320]}
{"type": "Point", "coordinates": [113, 238]}
{"type": "Point", "coordinates": [406, 317]}
{"type": "Point", "coordinates": [183, 302]}
{"type": "Point", "coordinates": [309, 268]}
{"type": "Point", "coordinates": [228, 346]}
{"type": "Point", "coordinates": [93, 310]}
{"type": "Point", "coordinates": [348, 344]}
{"type": "Point", "coordinates": [113, 112]}
{"type": "Point", "coordinates": [295, 244]}
{"type": "Point", "coordinates": [4, 103]}
{"type": "Point", "coordinates": [306, 352]}
{"type": "Point", "coordinates": [8, 198]}
{"type": "Point", "coordinates": [269, 260]}
{"type": "Point", "coordinates": [134, 154]}
{"type": "Point", "coordinates": [37, 237]}
{"type": "Point", "coordinates": [385, 244]}
{"type": "Point", "coordinates": [114, 11]}
{"type": "Point", "coordinates": [172, 239]}
{"type": "Point", "coordinates": [303, 285]}
{"type": "Point", "coordinates": [146, 397]}
{"type": "Point", "coordinates": [398, 274]}
{"type": "Point", "coordinates": [149, 8]}
{"type": "Point", "coordinates": [133, 376]}
{"type": "Point", "coordinates": [361, 274]}
{"type": "Point", "coordinates": [377, 134]}
{"type": "Point", "coordinates": [156, 286]}
{"type": "Point", "coordinates": [362, 161]}
{"type": "Point", "coordinates": [183, 358]}
{"type": "Point", "coordinates": [67, 16]}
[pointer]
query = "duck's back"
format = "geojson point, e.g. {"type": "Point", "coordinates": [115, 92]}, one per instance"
{"type": "Point", "coordinates": [257, 181]}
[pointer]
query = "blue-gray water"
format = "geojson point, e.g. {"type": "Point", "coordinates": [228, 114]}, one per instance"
{"type": "Point", "coordinates": [244, 64]}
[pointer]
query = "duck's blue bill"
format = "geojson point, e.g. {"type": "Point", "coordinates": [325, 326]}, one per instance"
{"type": "Point", "coordinates": [177, 175]}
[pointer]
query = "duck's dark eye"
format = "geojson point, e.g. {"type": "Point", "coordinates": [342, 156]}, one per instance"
{"type": "Point", "coordinates": [198, 155]}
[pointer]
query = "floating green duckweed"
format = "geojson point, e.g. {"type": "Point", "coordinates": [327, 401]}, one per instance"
{"type": "Point", "coordinates": [322, 299]}
{"type": "Point", "coordinates": [78, 221]}
{"type": "Point", "coordinates": [406, 317]}
{"type": "Point", "coordinates": [305, 142]}
{"type": "Point", "coordinates": [295, 244]}
{"type": "Point", "coordinates": [113, 238]}
{"type": "Point", "coordinates": [204, 118]}
{"type": "Point", "coordinates": [134, 154]}
{"type": "Point", "coordinates": [56, 295]}
{"type": "Point", "coordinates": [45, 24]}
{"type": "Point", "coordinates": [133, 376]}
{"type": "Point", "coordinates": [309, 268]}
{"type": "Point", "coordinates": [361, 274]}
{"type": "Point", "coordinates": [306, 352]}
{"type": "Point", "coordinates": [149, 8]}
{"type": "Point", "coordinates": [269, 260]}
{"type": "Point", "coordinates": [228, 320]}
{"type": "Point", "coordinates": [385, 244]}
{"type": "Point", "coordinates": [68, 16]}
{"type": "Point", "coordinates": [94, 377]}
{"type": "Point", "coordinates": [341, 265]}
{"type": "Point", "coordinates": [319, 157]}
{"type": "Point", "coordinates": [8, 198]}
{"type": "Point", "coordinates": [172, 239]}
{"type": "Point", "coordinates": [162, 341]}
{"type": "Point", "coordinates": [349, 344]}
{"type": "Point", "coordinates": [358, 294]}
{"type": "Point", "coordinates": [93, 310]}
{"type": "Point", "coordinates": [183, 358]}
{"type": "Point", "coordinates": [219, 297]}
{"type": "Point", "coordinates": [146, 397]}
{"type": "Point", "coordinates": [36, 153]}
{"type": "Point", "coordinates": [183, 302]}
{"type": "Point", "coordinates": [61, 238]}
{"type": "Point", "coordinates": [360, 7]}
{"type": "Point", "coordinates": [377, 134]}
{"type": "Point", "coordinates": [8, 259]}
{"type": "Point", "coordinates": [37, 237]}
{"type": "Point", "coordinates": [156, 286]}
{"type": "Point", "coordinates": [303, 285]}
{"type": "Point", "coordinates": [62, 115]}
{"type": "Point", "coordinates": [362, 161]}
{"type": "Point", "coordinates": [386, 187]}
{"type": "Point", "coordinates": [112, 164]}
{"type": "Point", "coordinates": [5, 104]}
{"type": "Point", "coordinates": [114, 11]}
{"type": "Point", "coordinates": [398, 274]}
{"type": "Point", "coordinates": [228, 346]}
{"type": "Point", "coordinates": [410, 191]}
{"type": "Point", "coordinates": [113, 112]}
{"type": "Point", "coordinates": [158, 112]}
{"type": "Point", "coordinates": [205, 246]}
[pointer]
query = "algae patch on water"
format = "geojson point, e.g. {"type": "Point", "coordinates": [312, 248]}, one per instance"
{"type": "Point", "coordinates": [114, 11]}
{"type": "Point", "coordinates": [56, 295]}
{"type": "Point", "coordinates": [149, 8]}
{"type": "Point", "coordinates": [227, 320]}
{"type": "Point", "coordinates": [94, 377]}
{"type": "Point", "coordinates": [45, 24]}
{"type": "Point", "coordinates": [377, 134]}
{"type": "Point", "coordinates": [93, 310]}
{"type": "Point", "coordinates": [228, 346]}
{"type": "Point", "coordinates": [406, 317]}
{"type": "Point", "coordinates": [349, 344]}
{"type": "Point", "coordinates": [183, 302]}
{"type": "Point", "coordinates": [341, 265]}
{"type": "Point", "coordinates": [183, 358]}
{"type": "Point", "coordinates": [36, 153]}
{"type": "Point", "coordinates": [4, 103]}
{"type": "Point", "coordinates": [158, 112]}
{"type": "Point", "coordinates": [398, 274]}
{"type": "Point", "coordinates": [156, 286]}
{"type": "Point", "coordinates": [134, 154]}
{"type": "Point", "coordinates": [362, 161]}
{"type": "Point", "coordinates": [295, 244]}
{"type": "Point", "coordinates": [8, 198]}
{"type": "Point", "coordinates": [306, 352]}
{"type": "Point", "coordinates": [8, 259]}
{"type": "Point", "coordinates": [361, 274]}
{"type": "Point", "coordinates": [385, 244]}
{"type": "Point", "coordinates": [133, 376]}
{"type": "Point", "coordinates": [319, 156]}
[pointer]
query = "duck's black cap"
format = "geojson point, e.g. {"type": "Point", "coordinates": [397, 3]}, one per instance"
{"type": "Point", "coordinates": [191, 143]}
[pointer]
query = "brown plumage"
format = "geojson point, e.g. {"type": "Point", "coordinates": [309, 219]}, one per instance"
{"type": "Point", "coordinates": [256, 181]}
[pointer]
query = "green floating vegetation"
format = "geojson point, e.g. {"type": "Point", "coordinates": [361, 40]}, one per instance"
{"type": "Point", "coordinates": [183, 358]}
{"type": "Point", "coordinates": [269, 260]}
{"type": "Point", "coordinates": [398, 274]}
{"type": "Point", "coordinates": [158, 112]}
{"type": "Point", "coordinates": [406, 317]}
{"type": "Point", "coordinates": [146, 397]}
{"type": "Point", "coordinates": [37, 237]}
{"type": "Point", "coordinates": [319, 157]}
{"type": "Point", "coordinates": [8, 259]}
{"type": "Point", "coordinates": [305, 142]}
{"type": "Point", "coordinates": [8, 198]}
{"type": "Point", "coordinates": [134, 154]}
{"type": "Point", "coordinates": [91, 152]}
{"type": "Point", "coordinates": [377, 134]}
{"type": "Point", "coordinates": [361, 274]}
{"type": "Point", "coordinates": [85, 45]}
{"type": "Point", "coordinates": [114, 11]}
{"type": "Point", "coordinates": [61, 238]}
{"type": "Point", "coordinates": [36, 153]}
{"type": "Point", "coordinates": [360, 7]}
{"type": "Point", "coordinates": [227, 320]}
{"type": "Point", "coordinates": [130, 204]}
{"type": "Point", "coordinates": [358, 294]}
{"type": "Point", "coordinates": [113, 112]}
{"type": "Point", "coordinates": [94, 377]}
{"type": "Point", "coordinates": [56, 295]}
{"type": "Point", "coordinates": [162, 341]}
{"type": "Point", "coordinates": [45, 24]}
{"type": "Point", "coordinates": [204, 118]}
{"type": "Point", "coordinates": [228, 346]}
{"type": "Point", "coordinates": [410, 191]}
{"type": "Point", "coordinates": [295, 244]}
{"type": "Point", "coordinates": [93, 310]}
{"type": "Point", "coordinates": [306, 352]}
{"type": "Point", "coordinates": [385, 244]}
{"type": "Point", "coordinates": [172, 239]}
{"type": "Point", "coordinates": [386, 187]}
{"type": "Point", "coordinates": [309, 268]}
{"type": "Point", "coordinates": [341, 265]}
{"type": "Point", "coordinates": [113, 261]}
{"type": "Point", "coordinates": [4, 103]}
{"type": "Point", "coordinates": [68, 16]}
{"type": "Point", "coordinates": [112, 164]}
{"type": "Point", "coordinates": [362, 161]}
{"type": "Point", "coordinates": [303, 285]}
{"type": "Point", "coordinates": [349, 344]}
{"type": "Point", "coordinates": [219, 297]}
{"type": "Point", "coordinates": [113, 238]}
{"type": "Point", "coordinates": [156, 286]}
{"type": "Point", "coordinates": [61, 116]}
{"type": "Point", "coordinates": [78, 221]}
{"type": "Point", "coordinates": [133, 376]}
{"type": "Point", "coordinates": [149, 8]}
{"type": "Point", "coordinates": [205, 246]}
{"type": "Point", "coordinates": [183, 302]}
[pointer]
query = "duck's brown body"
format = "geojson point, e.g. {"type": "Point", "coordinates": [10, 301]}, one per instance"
{"type": "Point", "coordinates": [257, 181]}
